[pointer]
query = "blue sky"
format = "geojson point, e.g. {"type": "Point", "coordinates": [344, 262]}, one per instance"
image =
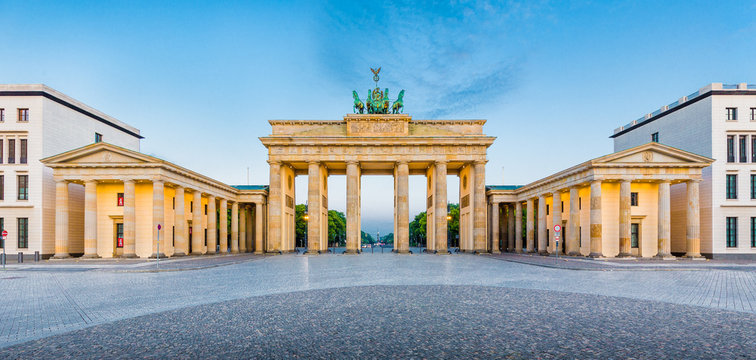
{"type": "Point", "coordinates": [553, 79]}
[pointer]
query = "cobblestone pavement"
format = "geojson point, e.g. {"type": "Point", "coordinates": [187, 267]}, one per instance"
{"type": "Point", "coordinates": [617, 264]}
{"type": "Point", "coordinates": [37, 304]}
{"type": "Point", "coordinates": [437, 321]}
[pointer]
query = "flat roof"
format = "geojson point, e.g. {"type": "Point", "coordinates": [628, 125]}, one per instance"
{"type": "Point", "coordinates": [503, 187]}
{"type": "Point", "coordinates": [69, 102]}
{"type": "Point", "coordinates": [250, 187]}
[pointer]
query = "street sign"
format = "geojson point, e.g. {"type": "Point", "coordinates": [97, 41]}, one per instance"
{"type": "Point", "coordinates": [5, 233]}
{"type": "Point", "coordinates": [557, 228]}
{"type": "Point", "coordinates": [159, 227]}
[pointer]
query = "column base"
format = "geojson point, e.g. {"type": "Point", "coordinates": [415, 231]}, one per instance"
{"type": "Point", "coordinates": [495, 252]}
{"type": "Point", "coordinates": [61, 256]}
{"type": "Point", "coordinates": [530, 251]}
{"type": "Point", "coordinates": [543, 253]}
{"type": "Point", "coordinates": [625, 255]}
{"type": "Point", "coordinates": [258, 252]}
{"type": "Point", "coordinates": [210, 253]}
{"type": "Point", "coordinates": [234, 251]}
{"type": "Point", "coordinates": [90, 256]}
{"type": "Point", "coordinates": [352, 252]}
{"type": "Point", "coordinates": [510, 249]}
{"type": "Point", "coordinates": [442, 252]}
{"type": "Point", "coordinates": [665, 257]}
{"type": "Point", "coordinates": [178, 254]}
{"type": "Point", "coordinates": [128, 256]}
{"type": "Point", "coordinates": [195, 253]}
{"type": "Point", "coordinates": [403, 252]}
{"type": "Point", "coordinates": [694, 257]}
{"type": "Point", "coordinates": [594, 255]}
{"type": "Point", "coordinates": [154, 256]}
{"type": "Point", "coordinates": [574, 253]}
{"type": "Point", "coordinates": [518, 251]}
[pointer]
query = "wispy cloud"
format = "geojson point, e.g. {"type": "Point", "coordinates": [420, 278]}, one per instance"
{"type": "Point", "coordinates": [450, 57]}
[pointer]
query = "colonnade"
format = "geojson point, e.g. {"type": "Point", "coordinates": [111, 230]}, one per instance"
{"type": "Point", "coordinates": [511, 234]}
{"type": "Point", "coordinates": [206, 233]}
{"type": "Point", "coordinates": [317, 172]}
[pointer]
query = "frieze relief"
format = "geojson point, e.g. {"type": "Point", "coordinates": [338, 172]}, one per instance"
{"type": "Point", "coordinates": [346, 150]}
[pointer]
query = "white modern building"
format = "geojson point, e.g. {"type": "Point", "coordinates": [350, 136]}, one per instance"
{"type": "Point", "coordinates": [717, 121]}
{"type": "Point", "coordinates": [37, 122]}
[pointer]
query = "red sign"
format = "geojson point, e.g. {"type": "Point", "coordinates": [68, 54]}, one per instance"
{"type": "Point", "coordinates": [120, 242]}
{"type": "Point", "coordinates": [120, 201]}
{"type": "Point", "coordinates": [5, 233]}
{"type": "Point", "coordinates": [557, 228]}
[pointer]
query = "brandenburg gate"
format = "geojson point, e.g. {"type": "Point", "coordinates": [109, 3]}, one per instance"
{"type": "Point", "coordinates": [377, 144]}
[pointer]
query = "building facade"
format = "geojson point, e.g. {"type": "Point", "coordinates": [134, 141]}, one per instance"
{"type": "Point", "coordinates": [717, 121]}
{"type": "Point", "coordinates": [35, 122]}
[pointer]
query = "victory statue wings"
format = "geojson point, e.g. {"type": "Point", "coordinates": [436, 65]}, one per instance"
{"type": "Point", "coordinates": [375, 72]}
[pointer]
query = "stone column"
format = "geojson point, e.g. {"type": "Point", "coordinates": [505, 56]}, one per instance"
{"type": "Point", "coordinates": [353, 208]}
{"type": "Point", "coordinates": [235, 228]}
{"type": "Point", "coordinates": [664, 247]}
{"type": "Point", "coordinates": [511, 231]}
{"type": "Point", "coordinates": [179, 222]}
{"type": "Point", "coordinates": [573, 232]}
{"type": "Point", "coordinates": [518, 227]}
{"type": "Point", "coordinates": [542, 225]}
{"type": "Point", "coordinates": [198, 238]}
{"type": "Point", "coordinates": [530, 226]}
{"type": "Point", "coordinates": [693, 229]}
{"type": "Point", "coordinates": [90, 219]}
{"type": "Point", "coordinates": [556, 211]}
{"type": "Point", "coordinates": [212, 225]}
{"type": "Point", "coordinates": [250, 225]}
{"type": "Point", "coordinates": [624, 220]}
{"type": "Point", "coordinates": [243, 229]}
{"type": "Point", "coordinates": [258, 228]}
{"type": "Point", "coordinates": [596, 227]}
{"type": "Point", "coordinates": [313, 207]}
{"type": "Point", "coordinates": [129, 219]}
{"type": "Point", "coordinates": [223, 226]}
{"type": "Point", "coordinates": [275, 241]}
{"type": "Point", "coordinates": [61, 220]}
{"type": "Point", "coordinates": [479, 207]}
{"type": "Point", "coordinates": [402, 208]}
{"type": "Point", "coordinates": [441, 211]}
{"type": "Point", "coordinates": [158, 217]}
{"type": "Point", "coordinates": [495, 228]}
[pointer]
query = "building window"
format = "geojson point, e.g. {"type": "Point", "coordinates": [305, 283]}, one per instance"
{"type": "Point", "coordinates": [173, 236]}
{"type": "Point", "coordinates": [753, 231]}
{"type": "Point", "coordinates": [732, 186]}
{"type": "Point", "coordinates": [23, 115]}
{"type": "Point", "coordinates": [753, 148]}
{"type": "Point", "coordinates": [1, 151]}
{"type": "Point", "coordinates": [742, 149]}
{"type": "Point", "coordinates": [98, 137]}
{"type": "Point", "coordinates": [732, 232]}
{"type": "Point", "coordinates": [732, 114]}
{"type": "Point", "coordinates": [655, 137]}
{"type": "Point", "coordinates": [547, 209]}
{"type": "Point", "coordinates": [173, 205]}
{"type": "Point", "coordinates": [2, 187]}
{"type": "Point", "coordinates": [22, 151]}
{"type": "Point", "coordinates": [580, 236]}
{"type": "Point", "coordinates": [580, 203]}
{"type": "Point", "coordinates": [753, 186]}
{"type": "Point", "coordinates": [2, 227]}
{"type": "Point", "coordinates": [23, 233]}
{"type": "Point", "coordinates": [634, 235]}
{"type": "Point", "coordinates": [119, 201]}
{"type": "Point", "coordinates": [23, 187]}
{"type": "Point", "coordinates": [633, 199]}
{"type": "Point", "coordinates": [753, 114]}
{"type": "Point", "coordinates": [2, 115]}
{"type": "Point", "coordinates": [205, 209]}
{"type": "Point", "coordinates": [11, 151]}
{"type": "Point", "coordinates": [730, 148]}
{"type": "Point", "coordinates": [191, 206]}
{"type": "Point", "coordinates": [562, 206]}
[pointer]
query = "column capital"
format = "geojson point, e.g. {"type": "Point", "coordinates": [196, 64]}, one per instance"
{"type": "Point", "coordinates": [402, 162]}
{"type": "Point", "coordinates": [90, 181]}
{"type": "Point", "coordinates": [274, 162]}
{"type": "Point", "coordinates": [439, 162]}
{"type": "Point", "coordinates": [211, 196]}
{"type": "Point", "coordinates": [127, 180]}
{"type": "Point", "coordinates": [693, 181]}
{"type": "Point", "coordinates": [596, 181]}
{"type": "Point", "coordinates": [480, 162]}
{"type": "Point", "coordinates": [313, 162]}
{"type": "Point", "coordinates": [352, 162]}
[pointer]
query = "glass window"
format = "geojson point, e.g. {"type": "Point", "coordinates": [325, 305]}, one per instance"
{"type": "Point", "coordinates": [753, 114]}
{"type": "Point", "coordinates": [562, 206]}
{"type": "Point", "coordinates": [2, 187]}
{"type": "Point", "coordinates": [23, 187]}
{"type": "Point", "coordinates": [205, 209]}
{"type": "Point", "coordinates": [732, 186]}
{"type": "Point", "coordinates": [742, 148]}
{"type": "Point", "coordinates": [732, 232]}
{"type": "Point", "coordinates": [547, 209]}
{"type": "Point", "coordinates": [2, 114]}
{"type": "Point", "coordinates": [730, 148]}
{"type": "Point", "coordinates": [119, 201]}
{"type": "Point", "coordinates": [634, 235]}
{"type": "Point", "coordinates": [753, 186]}
{"type": "Point", "coordinates": [732, 114]}
{"type": "Point", "coordinates": [753, 231]}
{"type": "Point", "coordinates": [23, 115]}
{"type": "Point", "coordinates": [2, 227]}
{"type": "Point", "coordinates": [22, 151]}
{"type": "Point", "coordinates": [98, 137]}
{"type": "Point", "coordinates": [633, 199]}
{"type": "Point", "coordinates": [23, 233]}
{"type": "Point", "coordinates": [119, 235]}
{"type": "Point", "coordinates": [11, 151]}
{"type": "Point", "coordinates": [655, 137]}
{"type": "Point", "coordinates": [1, 151]}
{"type": "Point", "coordinates": [753, 148]}
{"type": "Point", "coordinates": [580, 203]}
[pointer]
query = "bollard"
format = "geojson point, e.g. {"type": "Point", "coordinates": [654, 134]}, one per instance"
{"type": "Point", "coordinates": [36, 256]}
{"type": "Point", "coordinates": [20, 257]}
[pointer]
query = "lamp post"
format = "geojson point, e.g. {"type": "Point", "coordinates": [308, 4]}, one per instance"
{"type": "Point", "coordinates": [306, 218]}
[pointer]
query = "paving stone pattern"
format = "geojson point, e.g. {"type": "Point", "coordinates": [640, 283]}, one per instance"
{"type": "Point", "coordinates": [38, 304]}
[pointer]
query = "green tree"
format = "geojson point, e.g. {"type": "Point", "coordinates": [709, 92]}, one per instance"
{"type": "Point", "coordinates": [388, 238]}
{"type": "Point", "coordinates": [300, 225]}
{"type": "Point", "coordinates": [366, 238]}
{"type": "Point", "coordinates": [336, 228]}
{"type": "Point", "coordinates": [417, 229]}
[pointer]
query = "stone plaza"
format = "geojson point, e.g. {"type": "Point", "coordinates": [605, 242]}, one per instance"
{"type": "Point", "coordinates": [378, 306]}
